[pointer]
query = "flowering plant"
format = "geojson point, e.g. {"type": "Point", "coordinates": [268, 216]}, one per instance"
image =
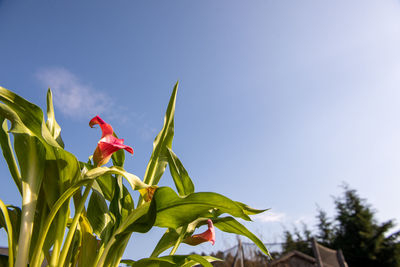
{"type": "Point", "coordinates": [53, 183]}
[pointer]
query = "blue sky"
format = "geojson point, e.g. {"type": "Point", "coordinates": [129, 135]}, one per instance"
{"type": "Point", "coordinates": [279, 101]}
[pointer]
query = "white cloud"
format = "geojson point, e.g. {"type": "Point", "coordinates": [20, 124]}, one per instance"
{"type": "Point", "coordinates": [79, 100]}
{"type": "Point", "coordinates": [74, 98]}
{"type": "Point", "coordinates": [269, 216]}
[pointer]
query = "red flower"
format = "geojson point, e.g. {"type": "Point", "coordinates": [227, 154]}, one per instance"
{"type": "Point", "coordinates": [108, 143]}
{"type": "Point", "coordinates": [208, 235]}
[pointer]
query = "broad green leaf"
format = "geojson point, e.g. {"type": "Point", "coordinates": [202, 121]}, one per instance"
{"type": "Point", "coordinates": [141, 220]}
{"type": "Point", "coordinates": [249, 210]}
{"type": "Point", "coordinates": [89, 245]}
{"type": "Point", "coordinates": [97, 213]}
{"type": "Point", "coordinates": [25, 117]}
{"type": "Point", "coordinates": [122, 203]}
{"type": "Point", "coordinates": [230, 225]}
{"type": "Point", "coordinates": [133, 180]}
{"type": "Point", "coordinates": [106, 185]}
{"type": "Point", "coordinates": [182, 181]}
{"type": "Point", "coordinates": [51, 123]}
{"type": "Point", "coordinates": [174, 260]}
{"type": "Point", "coordinates": [194, 259]}
{"type": "Point", "coordinates": [174, 211]}
{"type": "Point", "coordinates": [158, 159]}
{"type": "Point", "coordinates": [31, 157]}
{"type": "Point", "coordinates": [8, 154]}
{"type": "Point", "coordinates": [57, 168]}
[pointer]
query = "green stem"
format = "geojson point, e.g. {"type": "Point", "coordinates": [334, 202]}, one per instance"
{"type": "Point", "coordinates": [9, 234]}
{"type": "Point", "coordinates": [60, 230]}
{"type": "Point", "coordinates": [100, 263]}
{"type": "Point", "coordinates": [35, 262]}
{"type": "Point", "coordinates": [74, 224]}
{"type": "Point", "coordinates": [99, 253]}
{"type": "Point", "coordinates": [29, 201]}
{"type": "Point", "coordinates": [178, 242]}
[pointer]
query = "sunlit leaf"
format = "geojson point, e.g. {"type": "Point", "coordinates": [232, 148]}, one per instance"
{"type": "Point", "coordinates": [230, 225]}
{"type": "Point", "coordinates": [51, 123]}
{"type": "Point", "coordinates": [89, 244]}
{"type": "Point", "coordinates": [8, 154]}
{"type": "Point", "coordinates": [181, 178]}
{"type": "Point", "coordinates": [163, 141]}
{"type": "Point", "coordinates": [133, 180]}
{"type": "Point", "coordinates": [174, 211]}
{"type": "Point", "coordinates": [97, 212]}
{"type": "Point", "coordinates": [174, 260]}
{"type": "Point", "coordinates": [249, 210]}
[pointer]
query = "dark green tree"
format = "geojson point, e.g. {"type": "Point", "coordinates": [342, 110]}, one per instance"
{"type": "Point", "coordinates": [363, 240]}
{"type": "Point", "coordinates": [325, 234]}
{"type": "Point", "coordinates": [355, 230]}
{"type": "Point", "coordinates": [297, 241]}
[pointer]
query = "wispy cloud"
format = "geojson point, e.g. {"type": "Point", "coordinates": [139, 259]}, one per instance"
{"type": "Point", "coordinates": [79, 100]}
{"type": "Point", "coordinates": [268, 216]}
{"type": "Point", "coordinates": [71, 96]}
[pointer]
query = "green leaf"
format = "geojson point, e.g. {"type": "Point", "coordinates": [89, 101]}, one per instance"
{"type": "Point", "coordinates": [174, 260]}
{"type": "Point", "coordinates": [8, 154]}
{"type": "Point", "coordinates": [133, 180]}
{"type": "Point", "coordinates": [15, 218]}
{"type": "Point", "coordinates": [249, 210]}
{"type": "Point", "coordinates": [174, 211]}
{"type": "Point", "coordinates": [9, 229]}
{"type": "Point", "coordinates": [171, 236]}
{"type": "Point", "coordinates": [97, 213]}
{"type": "Point", "coordinates": [140, 220]}
{"type": "Point", "coordinates": [194, 259]}
{"type": "Point", "coordinates": [54, 210]}
{"type": "Point", "coordinates": [25, 117]}
{"type": "Point", "coordinates": [182, 181]}
{"type": "Point", "coordinates": [158, 159]}
{"type": "Point", "coordinates": [116, 251]}
{"type": "Point", "coordinates": [118, 157]}
{"type": "Point", "coordinates": [121, 204]}
{"type": "Point", "coordinates": [230, 225]}
{"type": "Point", "coordinates": [51, 123]}
{"type": "Point", "coordinates": [40, 158]}
{"type": "Point", "coordinates": [106, 185]}
{"type": "Point", "coordinates": [166, 241]}
{"type": "Point", "coordinates": [89, 244]}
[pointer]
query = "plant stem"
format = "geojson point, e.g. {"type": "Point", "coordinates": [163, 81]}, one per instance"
{"type": "Point", "coordinates": [9, 234]}
{"type": "Point", "coordinates": [29, 201]}
{"type": "Point", "coordinates": [74, 224]}
{"type": "Point", "coordinates": [100, 263]}
{"type": "Point", "coordinates": [60, 230]}
{"type": "Point", "coordinates": [178, 242]}
{"type": "Point", "coordinates": [99, 253]}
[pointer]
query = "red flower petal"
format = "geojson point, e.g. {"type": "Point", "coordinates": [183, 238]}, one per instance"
{"type": "Point", "coordinates": [106, 147]}
{"type": "Point", "coordinates": [108, 143]}
{"type": "Point", "coordinates": [207, 236]}
{"type": "Point", "coordinates": [105, 127]}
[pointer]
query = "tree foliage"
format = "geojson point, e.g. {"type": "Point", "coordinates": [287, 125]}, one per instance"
{"type": "Point", "coordinates": [355, 230]}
